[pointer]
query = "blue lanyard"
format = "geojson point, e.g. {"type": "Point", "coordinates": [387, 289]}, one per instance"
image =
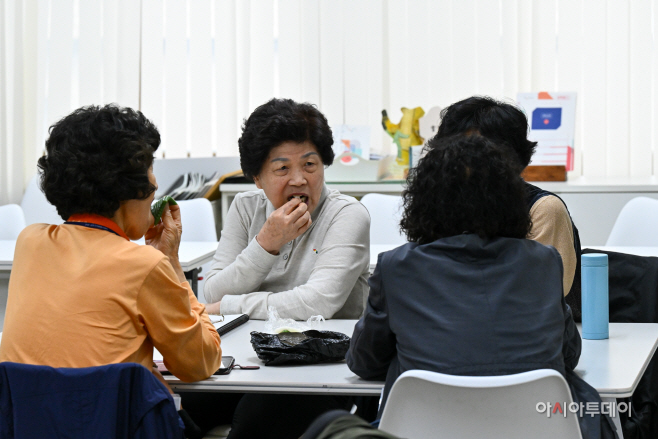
{"type": "Point", "coordinates": [91, 225]}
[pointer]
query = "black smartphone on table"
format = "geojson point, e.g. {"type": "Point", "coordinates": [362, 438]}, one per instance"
{"type": "Point", "coordinates": [226, 367]}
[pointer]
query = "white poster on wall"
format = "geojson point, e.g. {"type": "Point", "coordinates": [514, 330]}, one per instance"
{"type": "Point", "coordinates": [552, 120]}
{"type": "Point", "coordinates": [352, 138]}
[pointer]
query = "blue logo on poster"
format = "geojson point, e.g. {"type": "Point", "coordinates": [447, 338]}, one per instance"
{"type": "Point", "coordinates": [546, 118]}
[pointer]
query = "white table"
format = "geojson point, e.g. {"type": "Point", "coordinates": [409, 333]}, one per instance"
{"type": "Point", "coordinates": [613, 366]}
{"type": "Point", "coordinates": [192, 255]}
{"type": "Point", "coordinates": [308, 379]}
{"type": "Point", "coordinates": [637, 251]}
{"type": "Point", "coordinates": [6, 254]}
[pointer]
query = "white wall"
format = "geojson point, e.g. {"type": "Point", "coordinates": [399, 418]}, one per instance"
{"type": "Point", "coordinates": [198, 67]}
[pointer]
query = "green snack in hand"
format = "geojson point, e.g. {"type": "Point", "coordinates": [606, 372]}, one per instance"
{"type": "Point", "coordinates": [158, 207]}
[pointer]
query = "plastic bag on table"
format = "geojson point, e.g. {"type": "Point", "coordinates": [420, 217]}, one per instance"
{"type": "Point", "coordinates": [308, 347]}
{"type": "Point", "coordinates": [276, 325]}
{"type": "Point", "coordinates": [286, 341]}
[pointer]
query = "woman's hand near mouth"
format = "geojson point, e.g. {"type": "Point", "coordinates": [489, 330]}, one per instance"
{"type": "Point", "coordinates": [303, 198]}
{"type": "Point", "coordinates": [283, 225]}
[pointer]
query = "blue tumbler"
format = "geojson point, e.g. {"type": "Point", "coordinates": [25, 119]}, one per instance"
{"type": "Point", "coordinates": [594, 270]}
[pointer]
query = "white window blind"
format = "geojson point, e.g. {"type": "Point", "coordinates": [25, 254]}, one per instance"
{"type": "Point", "coordinates": [355, 58]}
{"type": "Point", "coordinates": [199, 67]}
{"type": "Point", "coordinates": [11, 101]}
{"type": "Point", "coordinates": [88, 54]}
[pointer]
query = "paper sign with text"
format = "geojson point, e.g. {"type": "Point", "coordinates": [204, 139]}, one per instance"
{"type": "Point", "coordinates": [552, 120]}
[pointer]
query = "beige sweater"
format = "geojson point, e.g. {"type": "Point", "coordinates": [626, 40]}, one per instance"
{"type": "Point", "coordinates": [551, 225]}
{"type": "Point", "coordinates": [322, 272]}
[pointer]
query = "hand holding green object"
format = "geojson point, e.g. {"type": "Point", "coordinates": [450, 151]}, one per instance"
{"type": "Point", "coordinates": [158, 207]}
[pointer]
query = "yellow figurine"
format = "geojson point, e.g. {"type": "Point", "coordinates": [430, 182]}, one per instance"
{"type": "Point", "coordinates": [408, 130]}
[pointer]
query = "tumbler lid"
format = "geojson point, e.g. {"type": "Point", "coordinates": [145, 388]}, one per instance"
{"type": "Point", "coordinates": [594, 260]}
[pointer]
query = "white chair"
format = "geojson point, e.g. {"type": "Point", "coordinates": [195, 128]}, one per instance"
{"type": "Point", "coordinates": [385, 214]}
{"type": "Point", "coordinates": [198, 225]}
{"type": "Point", "coordinates": [198, 220]}
{"type": "Point", "coordinates": [12, 221]}
{"type": "Point", "coordinates": [636, 225]}
{"type": "Point", "coordinates": [36, 207]}
{"type": "Point", "coordinates": [425, 404]}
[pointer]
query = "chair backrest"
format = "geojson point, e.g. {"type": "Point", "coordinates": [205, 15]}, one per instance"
{"type": "Point", "coordinates": [198, 220]}
{"type": "Point", "coordinates": [12, 221]}
{"type": "Point", "coordinates": [636, 225]}
{"type": "Point", "coordinates": [117, 400]}
{"type": "Point", "coordinates": [425, 404]}
{"type": "Point", "coordinates": [385, 214]}
{"type": "Point", "coordinates": [36, 207]}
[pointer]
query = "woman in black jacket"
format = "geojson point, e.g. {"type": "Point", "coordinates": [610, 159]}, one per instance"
{"type": "Point", "coordinates": [469, 295]}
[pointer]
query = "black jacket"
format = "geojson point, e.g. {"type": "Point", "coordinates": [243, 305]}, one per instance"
{"type": "Point", "coordinates": [633, 292]}
{"type": "Point", "coordinates": [468, 306]}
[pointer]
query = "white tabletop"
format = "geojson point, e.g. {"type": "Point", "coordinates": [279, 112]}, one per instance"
{"type": "Point", "coordinates": [309, 379]}
{"type": "Point", "coordinates": [6, 254]}
{"type": "Point", "coordinates": [638, 251]}
{"type": "Point", "coordinates": [613, 367]}
{"type": "Point", "coordinates": [191, 254]}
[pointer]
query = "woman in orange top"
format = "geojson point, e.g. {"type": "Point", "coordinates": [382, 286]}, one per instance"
{"type": "Point", "coordinates": [82, 294]}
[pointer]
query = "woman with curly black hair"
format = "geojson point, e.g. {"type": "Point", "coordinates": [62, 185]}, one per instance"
{"type": "Point", "coordinates": [82, 294]}
{"type": "Point", "coordinates": [469, 295]}
{"type": "Point", "coordinates": [507, 125]}
{"type": "Point", "coordinates": [292, 244]}
{"type": "Point", "coordinates": [471, 192]}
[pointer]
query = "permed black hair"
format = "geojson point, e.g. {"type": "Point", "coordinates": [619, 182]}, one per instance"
{"type": "Point", "coordinates": [499, 121]}
{"type": "Point", "coordinates": [97, 157]}
{"type": "Point", "coordinates": [464, 184]}
{"type": "Point", "coordinates": [278, 121]}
